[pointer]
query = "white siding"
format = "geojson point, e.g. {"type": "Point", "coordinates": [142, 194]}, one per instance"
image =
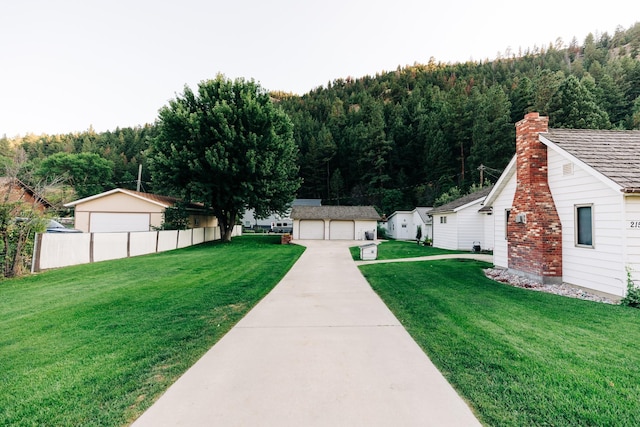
{"type": "Point", "coordinates": [503, 201]}
{"type": "Point", "coordinates": [395, 226]}
{"type": "Point", "coordinates": [487, 222]}
{"type": "Point", "coordinates": [445, 235]}
{"type": "Point", "coordinates": [426, 228]}
{"type": "Point", "coordinates": [601, 267]}
{"type": "Point", "coordinates": [632, 233]}
{"type": "Point", "coordinates": [362, 226]}
{"type": "Point", "coordinates": [470, 227]}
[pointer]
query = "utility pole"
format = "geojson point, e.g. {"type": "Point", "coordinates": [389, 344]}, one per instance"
{"type": "Point", "coordinates": [481, 168]}
{"type": "Point", "coordinates": [139, 177]}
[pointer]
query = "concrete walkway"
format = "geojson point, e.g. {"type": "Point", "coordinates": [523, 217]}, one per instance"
{"type": "Point", "coordinates": [321, 349]}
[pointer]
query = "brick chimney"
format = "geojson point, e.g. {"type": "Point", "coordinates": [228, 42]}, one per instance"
{"type": "Point", "coordinates": [534, 231]}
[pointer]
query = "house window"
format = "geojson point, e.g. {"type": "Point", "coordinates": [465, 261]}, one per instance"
{"type": "Point", "coordinates": [404, 225]}
{"type": "Point", "coordinates": [507, 213]}
{"type": "Point", "coordinates": [584, 225]}
{"type": "Point", "coordinates": [443, 220]}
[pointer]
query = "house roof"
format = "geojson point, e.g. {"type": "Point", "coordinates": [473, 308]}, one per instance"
{"type": "Point", "coordinates": [613, 153]}
{"type": "Point", "coordinates": [335, 212]}
{"type": "Point", "coordinates": [5, 183]}
{"type": "Point", "coordinates": [306, 202]}
{"type": "Point", "coordinates": [462, 201]}
{"type": "Point", "coordinates": [163, 201]}
{"type": "Point", "coordinates": [423, 212]}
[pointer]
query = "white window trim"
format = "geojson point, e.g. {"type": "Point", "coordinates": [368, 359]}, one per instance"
{"type": "Point", "coordinates": [575, 228]}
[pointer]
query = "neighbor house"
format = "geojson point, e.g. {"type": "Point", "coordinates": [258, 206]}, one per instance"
{"type": "Point", "coordinates": [121, 210]}
{"type": "Point", "coordinates": [463, 224]}
{"type": "Point", "coordinates": [275, 222]}
{"type": "Point", "coordinates": [567, 207]}
{"type": "Point", "coordinates": [334, 222]}
{"type": "Point", "coordinates": [403, 225]}
{"type": "Point", "coordinates": [13, 190]}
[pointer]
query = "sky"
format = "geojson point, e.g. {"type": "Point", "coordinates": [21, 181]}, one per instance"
{"type": "Point", "coordinates": [70, 65]}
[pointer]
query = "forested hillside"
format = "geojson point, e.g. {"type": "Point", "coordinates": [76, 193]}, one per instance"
{"type": "Point", "coordinates": [402, 138]}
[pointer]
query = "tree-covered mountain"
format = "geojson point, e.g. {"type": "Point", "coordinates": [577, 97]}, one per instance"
{"type": "Point", "coordinates": [400, 139]}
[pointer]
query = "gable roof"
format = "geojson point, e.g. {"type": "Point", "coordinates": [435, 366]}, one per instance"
{"type": "Point", "coordinates": [335, 212]}
{"type": "Point", "coordinates": [163, 201]}
{"type": "Point", "coordinates": [613, 153]}
{"type": "Point", "coordinates": [423, 212]}
{"type": "Point", "coordinates": [462, 202]}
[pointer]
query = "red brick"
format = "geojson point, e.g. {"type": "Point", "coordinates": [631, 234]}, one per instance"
{"type": "Point", "coordinates": [535, 247]}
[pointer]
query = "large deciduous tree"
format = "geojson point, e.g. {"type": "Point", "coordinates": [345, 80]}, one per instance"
{"type": "Point", "coordinates": [228, 146]}
{"type": "Point", "coordinates": [87, 172]}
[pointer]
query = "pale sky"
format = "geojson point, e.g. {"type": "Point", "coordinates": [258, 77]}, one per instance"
{"type": "Point", "coordinates": [67, 65]}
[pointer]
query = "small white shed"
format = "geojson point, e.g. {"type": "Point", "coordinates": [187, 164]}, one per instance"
{"type": "Point", "coordinates": [403, 225]}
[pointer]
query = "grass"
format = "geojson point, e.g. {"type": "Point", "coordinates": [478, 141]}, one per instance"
{"type": "Point", "coordinates": [395, 249]}
{"type": "Point", "coordinates": [96, 344]}
{"type": "Point", "coordinates": [518, 357]}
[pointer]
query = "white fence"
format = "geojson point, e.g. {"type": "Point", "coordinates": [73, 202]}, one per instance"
{"type": "Point", "coordinates": [54, 250]}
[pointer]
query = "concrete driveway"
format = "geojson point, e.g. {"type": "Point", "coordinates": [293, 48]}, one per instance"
{"type": "Point", "coordinates": [321, 349]}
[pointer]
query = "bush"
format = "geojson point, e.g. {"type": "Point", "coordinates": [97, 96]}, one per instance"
{"type": "Point", "coordinates": [632, 298]}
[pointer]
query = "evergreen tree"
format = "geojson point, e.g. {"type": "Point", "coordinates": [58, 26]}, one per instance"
{"type": "Point", "coordinates": [574, 107]}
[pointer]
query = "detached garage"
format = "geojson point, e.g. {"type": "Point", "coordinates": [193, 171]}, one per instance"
{"type": "Point", "coordinates": [121, 210]}
{"type": "Point", "coordinates": [334, 222]}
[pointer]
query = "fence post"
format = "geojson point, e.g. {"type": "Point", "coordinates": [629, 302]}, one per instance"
{"type": "Point", "coordinates": [35, 258]}
{"type": "Point", "coordinates": [91, 248]}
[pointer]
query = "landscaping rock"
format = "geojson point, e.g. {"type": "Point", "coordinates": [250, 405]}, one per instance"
{"type": "Point", "coordinates": [564, 289]}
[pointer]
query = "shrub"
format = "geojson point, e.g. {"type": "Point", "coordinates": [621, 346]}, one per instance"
{"type": "Point", "coordinates": [632, 298]}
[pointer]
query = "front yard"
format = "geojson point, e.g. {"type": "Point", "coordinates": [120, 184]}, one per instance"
{"type": "Point", "coordinates": [519, 357]}
{"type": "Point", "coordinates": [96, 344]}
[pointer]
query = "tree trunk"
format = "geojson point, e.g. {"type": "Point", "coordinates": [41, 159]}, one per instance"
{"type": "Point", "coordinates": [227, 222]}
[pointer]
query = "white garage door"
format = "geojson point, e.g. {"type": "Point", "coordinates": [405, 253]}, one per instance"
{"type": "Point", "coordinates": [311, 229]}
{"type": "Point", "coordinates": [117, 222]}
{"type": "Point", "coordinates": [341, 230]}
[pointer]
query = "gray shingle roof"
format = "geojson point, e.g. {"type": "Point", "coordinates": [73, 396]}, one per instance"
{"type": "Point", "coordinates": [334, 212]}
{"type": "Point", "coordinates": [613, 153]}
{"type": "Point", "coordinates": [451, 206]}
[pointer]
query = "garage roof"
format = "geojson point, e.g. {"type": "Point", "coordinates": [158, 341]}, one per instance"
{"type": "Point", "coordinates": [335, 212]}
{"type": "Point", "coordinates": [164, 201]}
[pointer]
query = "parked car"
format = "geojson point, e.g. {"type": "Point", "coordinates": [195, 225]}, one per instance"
{"type": "Point", "coordinates": [55, 227]}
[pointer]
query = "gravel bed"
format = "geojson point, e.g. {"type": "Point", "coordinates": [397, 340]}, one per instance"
{"type": "Point", "coordinates": [563, 289]}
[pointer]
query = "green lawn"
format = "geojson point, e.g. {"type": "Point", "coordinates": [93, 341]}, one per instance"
{"type": "Point", "coordinates": [521, 358]}
{"type": "Point", "coordinates": [395, 249]}
{"type": "Point", "coordinates": [96, 344]}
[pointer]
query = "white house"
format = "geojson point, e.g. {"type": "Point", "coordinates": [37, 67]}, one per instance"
{"type": "Point", "coordinates": [121, 210]}
{"type": "Point", "coordinates": [403, 225]}
{"type": "Point", "coordinates": [463, 224]}
{"type": "Point", "coordinates": [334, 222]}
{"type": "Point", "coordinates": [567, 207]}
